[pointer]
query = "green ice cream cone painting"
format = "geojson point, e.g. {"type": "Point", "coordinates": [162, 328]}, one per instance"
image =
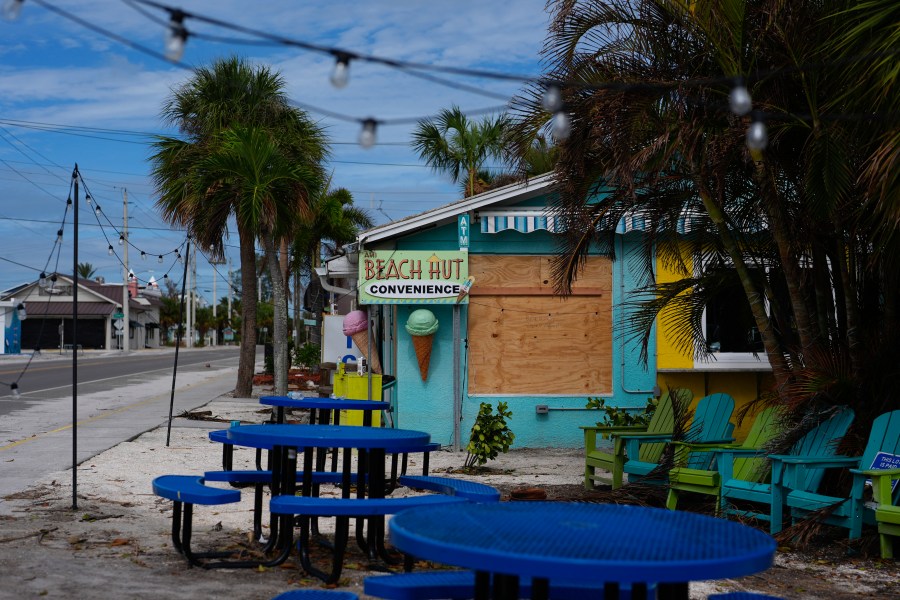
{"type": "Point", "coordinates": [421, 326]}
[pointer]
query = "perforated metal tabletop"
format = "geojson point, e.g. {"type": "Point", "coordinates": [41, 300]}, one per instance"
{"type": "Point", "coordinates": [581, 542]}
{"type": "Point", "coordinates": [324, 403]}
{"type": "Point", "coordinates": [330, 436]}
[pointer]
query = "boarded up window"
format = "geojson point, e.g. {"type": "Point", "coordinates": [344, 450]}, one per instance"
{"type": "Point", "coordinates": [524, 340]}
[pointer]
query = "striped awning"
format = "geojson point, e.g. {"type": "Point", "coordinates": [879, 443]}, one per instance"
{"type": "Point", "coordinates": [523, 221]}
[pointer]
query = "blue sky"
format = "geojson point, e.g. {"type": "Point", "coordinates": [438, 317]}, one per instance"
{"type": "Point", "coordinates": [55, 72]}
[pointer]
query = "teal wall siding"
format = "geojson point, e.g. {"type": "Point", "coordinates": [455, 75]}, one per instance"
{"type": "Point", "coordinates": [428, 406]}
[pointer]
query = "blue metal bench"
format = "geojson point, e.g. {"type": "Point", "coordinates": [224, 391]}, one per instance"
{"type": "Point", "coordinates": [458, 585]}
{"type": "Point", "coordinates": [185, 491]}
{"type": "Point", "coordinates": [316, 595]}
{"type": "Point", "coordinates": [344, 509]}
{"type": "Point", "coordinates": [470, 490]}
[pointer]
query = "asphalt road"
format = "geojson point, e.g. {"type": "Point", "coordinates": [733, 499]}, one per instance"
{"type": "Point", "coordinates": [50, 376]}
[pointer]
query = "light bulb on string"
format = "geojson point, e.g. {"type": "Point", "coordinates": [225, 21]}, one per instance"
{"type": "Point", "coordinates": [757, 135]}
{"type": "Point", "coordinates": [180, 258]}
{"type": "Point", "coordinates": [14, 389]}
{"type": "Point", "coordinates": [121, 239]}
{"type": "Point", "coordinates": [110, 250]}
{"type": "Point", "coordinates": [561, 126]}
{"type": "Point", "coordinates": [97, 210]}
{"type": "Point", "coordinates": [341, 73]}
{"type": "Point", "coordinates": [88, 199]}
{"type": "Point", "coordinates": [176, 36]}
{"type": "Point", "coordinates": [143, 255]}
{"type": "Point", "coordinates": [160, 259]}
{"type": "Point", "coordinates": [12, 9]}
{"type": "Point", "coordinates": [20, 311]}
{"type": "Point", "coordinates": [739, 100]}
{"type": "Point", "coordinates": [59, 234]}
{"type": "Point", "coordinates": [367, 135]}
{"type": "Point", "coordinates": [552, 100]}
{"type": "Point", "coordinates": [42, 281]}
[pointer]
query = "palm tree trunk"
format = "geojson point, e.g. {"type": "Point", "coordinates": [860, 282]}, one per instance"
{"type": "Point", "coordinates": [247, 360]}
{"type": "Point", "coordinates": [279, 317]}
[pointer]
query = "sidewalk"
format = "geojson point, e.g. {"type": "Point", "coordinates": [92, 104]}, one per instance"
{"type": "Point", "coordinates": [117, 545]}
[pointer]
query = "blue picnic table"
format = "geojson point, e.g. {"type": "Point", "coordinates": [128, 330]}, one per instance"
{"type": "Point", "coordinates": [601, 544]}
{"type": "Point", "coordinates": [321, 408]}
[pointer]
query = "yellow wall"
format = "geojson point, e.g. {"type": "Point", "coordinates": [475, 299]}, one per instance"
{"type": "Point", "coordinates": [667, 356]}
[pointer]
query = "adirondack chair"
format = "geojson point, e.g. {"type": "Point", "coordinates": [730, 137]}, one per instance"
{"type": "Point", "coordinates": [613, 459]}
{"type": "Point", "coordinates": [887, 513]}
{"type": "Point", "coordinates": [850, 511]}
{"type": "Point", "coordinates": [710, 425]}
{"type": "Point", "coordinates": [820, 441]}
{"type": "Point", "coordinates": [706, 481]}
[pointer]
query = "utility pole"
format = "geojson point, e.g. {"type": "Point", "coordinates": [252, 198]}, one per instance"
{"type": "Point", "coordinates": [126, 337]}
{"type": "Point", "coordinates": [189, 329]}
{"type": "Point", "coordinates": [215, 335]}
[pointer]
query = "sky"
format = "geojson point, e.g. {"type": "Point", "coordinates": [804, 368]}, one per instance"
{"type": "Point", "coordinates": [71, 95]}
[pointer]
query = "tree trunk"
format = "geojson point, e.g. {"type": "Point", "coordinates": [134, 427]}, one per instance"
{"type": "Point", "coordinates": [247, 361]}
{"type": "Point", "coordinates": [279, 317]}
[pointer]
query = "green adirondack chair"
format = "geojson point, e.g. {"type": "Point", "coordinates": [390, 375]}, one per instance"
{"type": "Point", "coordinates": [706, 481]}
{"type": "Point", "coordinates": [613, 459]}
{"type": "Point", "coordinates": [820, 441]}
{"type": "Point", "coordinates": [849, 511]}
{"type": "Point", "coordinates": [710, 425]}
{"type": "Point", "coordinates": [887, 513]}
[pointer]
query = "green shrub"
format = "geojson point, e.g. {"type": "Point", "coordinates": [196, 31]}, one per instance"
{"type": "Point", "coordinates": [307, 355]}
{"type": "Point", "coordinates": [616, 416]}
{"type": "Point", "coordinates": [490, 434]}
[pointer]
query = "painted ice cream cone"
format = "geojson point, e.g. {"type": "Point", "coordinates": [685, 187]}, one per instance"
{"type": "Point", "coordinates": [356, 325]}
{"type": "Point", "coordinates": [421, 326]}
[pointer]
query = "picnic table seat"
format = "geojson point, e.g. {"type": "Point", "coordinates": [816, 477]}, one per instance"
{"type": "Point", "coordinates": [849, 511]}
{"type": "Point", "coordinates": [470, 490]}
{"type": "Point", "coordinates": [455, 585]}
{"type": "Point", "coordinates": [185, 491]}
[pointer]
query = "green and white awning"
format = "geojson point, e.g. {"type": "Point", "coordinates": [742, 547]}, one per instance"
{"type": "Point", "coordinates": [523, 221]}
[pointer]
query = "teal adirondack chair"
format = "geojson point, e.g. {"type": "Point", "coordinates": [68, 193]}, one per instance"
{"type": "Point", "coordinates": [821, 441]}
{"type": "Point", "coordinates": [613, 459]}
{"type": "Point", "coordinates": [710, 425]}
{"type": "Point", "coordinates": [850, 511]}
{"type": "Point", "coordinates": [707, 481]}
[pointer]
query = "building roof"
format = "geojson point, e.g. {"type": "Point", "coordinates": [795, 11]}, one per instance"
{"type": "Point", "coordinates": [64, 309]}
{"type": "Point", "coordinates": [444, 214]}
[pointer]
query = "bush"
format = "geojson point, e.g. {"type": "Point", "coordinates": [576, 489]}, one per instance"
{"type": "Point", "coordinates": [307, 355]}
{"type": "Point", "coordinates": [617, 417]}
{"type": "Point", "coordinates": [490, 435]}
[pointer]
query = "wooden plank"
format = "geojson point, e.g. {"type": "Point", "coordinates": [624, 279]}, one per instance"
{"type": "Point", "coordinates": [532, 291]}
{"type": "Point", "coordinates": [540, 345]}
{"type": "Point", "coordinates": [509, 272]}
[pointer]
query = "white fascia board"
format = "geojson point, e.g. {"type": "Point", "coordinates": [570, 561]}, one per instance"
{"type": "Point", "coordinates": [525, 190]}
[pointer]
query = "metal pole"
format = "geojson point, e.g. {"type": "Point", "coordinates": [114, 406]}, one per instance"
{"type": "Point", "coordinates": [177, 343]}
{"type": "Point", "coordinates": [215, 335]}
{"type": "Point", "coordinates": [457, 387]}
{"type": "Point", "coordinates": [75, 175]}
{"type": "Point", "coordinates": [126, 318]}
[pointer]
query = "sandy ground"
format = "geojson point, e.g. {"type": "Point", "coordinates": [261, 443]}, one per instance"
{"type": "Point", "coordinates": [116, 544]}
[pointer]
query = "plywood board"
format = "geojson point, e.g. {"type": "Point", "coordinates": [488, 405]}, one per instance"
{"type": "Point", "coordinates": [533, 275]}
{"type": "Point", "coordinates": [523, 345]}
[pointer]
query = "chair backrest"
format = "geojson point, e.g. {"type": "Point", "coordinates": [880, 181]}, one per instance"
{"type": "Point", "coordinates": [764, 428]}
{"type": "Point", "coordinates": [663, 422]}
{"type": "Point", "coordinates": [821, 441]}
{"type": "Point", "coordinates": [884, 437]}
{"type": "Point", "coordinates": [711, 423]}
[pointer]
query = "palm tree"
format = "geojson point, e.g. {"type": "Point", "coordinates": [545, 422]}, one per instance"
{"type": "Point", "coordinates": [86, 270]}
{"type": "Point", "coordinates": [803, 226]}
{"type": "Point", "coordinates": [231, 93]}
{"type": "Point", "coordinates": [452, 144]}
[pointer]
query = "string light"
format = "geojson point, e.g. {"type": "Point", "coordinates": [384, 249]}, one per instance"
{"type": "Point", "coordinates": [88, 198]}
{"type": "Point", "coordinates": [20, 311]}
{"type": "Point", "coordinates": [341, 73]}
{"type": "Point", "coordinates": [14, 388]}
{"type": "Point", "coordinates": [176, 36]}
{"type": "Point", "coordinates": [160, 259]}
{"type": "Point", "coordinates": [12, 9]}
{"type": "Point", "coordinates": [739, 100]}
{"type": "Point", "coordinates": [110, 250]}
{"type": "Point", "coordinates": [143, 255]}
{"type": "Point", "coordinates": [561, 126]}
{"type": "Point", "coordinates": [42, 280]}
{"type": "Point", "coordinates": [59, 234]}
{"type": "Point", "coordinates": [552, 100]}
{"type": "Point", "coordinates": [98, 211]}
{"type": "Point", "coordinates": [179, 257]}
{"type": "Point", "coordinates": [367, 135]}
{"type": "Point", "coordinates": [757, 134]}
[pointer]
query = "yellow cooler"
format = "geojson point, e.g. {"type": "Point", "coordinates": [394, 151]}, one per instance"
{"type": "Point", "coordinates": [356, 387]}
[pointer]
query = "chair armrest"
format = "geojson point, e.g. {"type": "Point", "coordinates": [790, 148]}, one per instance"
{"type": "Point", "coordinates": [606, 431]}
{"type": "Point", "coordinates": [820, 462]}
{"type": "Point", "coordinates": [878, 473]}
{"type": "Point", "coordinates": [646, 437]}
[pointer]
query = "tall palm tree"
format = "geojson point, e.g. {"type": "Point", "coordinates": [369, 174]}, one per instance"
{"type": "Point", "coordinates": [795, 225]}
{"type": "Point", "coordinates": [452, 144]}
{"type": "Point", "coordinates": [86, 270]}
{"type": "Point", "coordinates": [230, 93]}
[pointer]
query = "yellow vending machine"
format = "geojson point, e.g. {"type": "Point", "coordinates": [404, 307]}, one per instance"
{"type": "Point", "coordinates": [354, 386]}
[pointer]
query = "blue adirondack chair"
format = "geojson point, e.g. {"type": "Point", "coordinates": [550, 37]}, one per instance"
{"type": "Point", "coordinates": [709, 425]}
{"type": "Point", "coordinates": [821, 441]}
{"type": "Point", "coordinates": [849, 511]}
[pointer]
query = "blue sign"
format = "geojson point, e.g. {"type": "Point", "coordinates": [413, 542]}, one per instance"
{"type": "Point", "coordinates": [463, 229]}
{"type": "Point", "coordinates": [883, 460]}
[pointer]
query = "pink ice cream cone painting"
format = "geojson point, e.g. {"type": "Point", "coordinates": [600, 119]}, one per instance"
{"type": "Point", "coordinates": [421, 326]}
{"type": "Point", "coordinates": [356, 325]}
